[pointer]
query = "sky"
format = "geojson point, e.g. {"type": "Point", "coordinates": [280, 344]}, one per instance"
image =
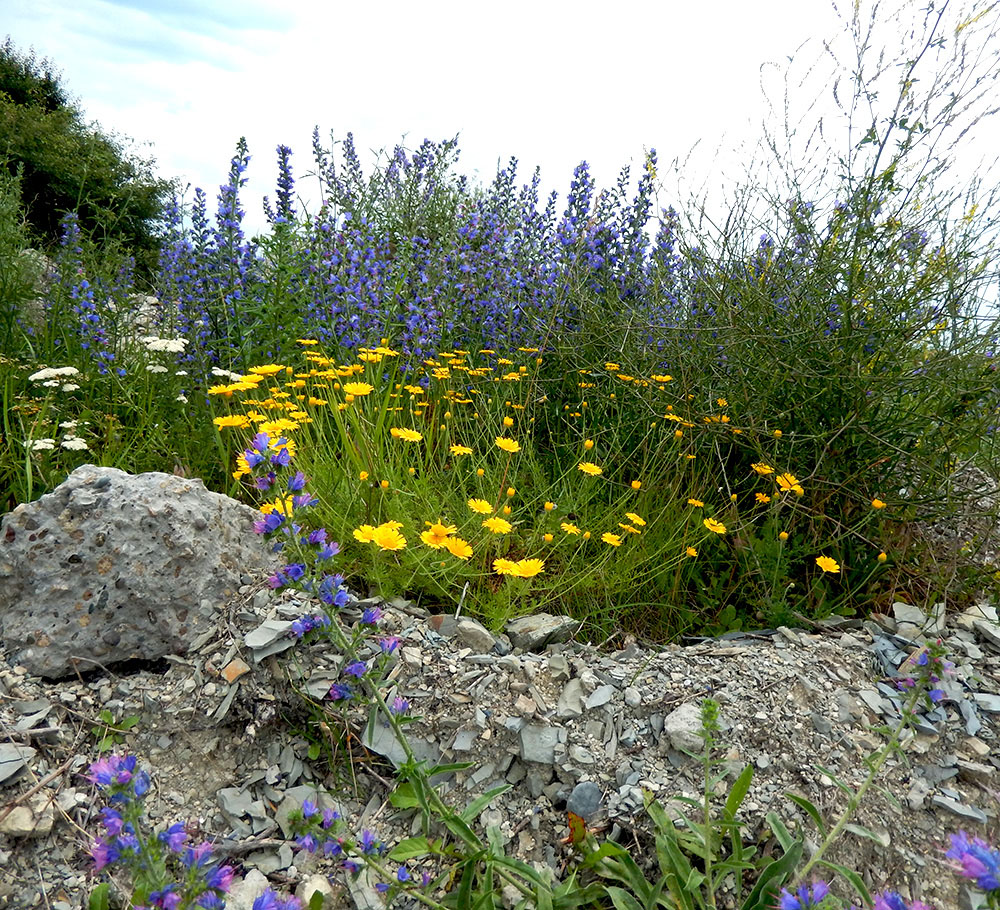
{"type": "Point", "coordinates": [549, 82]}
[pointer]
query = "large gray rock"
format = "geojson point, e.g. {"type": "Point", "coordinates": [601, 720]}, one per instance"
{"type": "Point", "coordinates": [112, 566]}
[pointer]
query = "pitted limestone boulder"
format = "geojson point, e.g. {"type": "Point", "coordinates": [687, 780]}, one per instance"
{"type": "Point", "coordinates": [112, 566]}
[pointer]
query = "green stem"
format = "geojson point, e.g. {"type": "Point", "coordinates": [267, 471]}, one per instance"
{"type": "Point", "coordinates": [858, 796]}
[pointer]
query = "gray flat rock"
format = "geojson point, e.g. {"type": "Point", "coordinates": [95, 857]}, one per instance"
{"type": "Point", "coordinates": [533, 633]}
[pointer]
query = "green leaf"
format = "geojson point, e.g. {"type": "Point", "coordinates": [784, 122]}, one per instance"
{"type": "Point", "coordinates": [847, 788]}
{"type": "Point", "coordinates": [862, 831]}
{"type": "Point", "coordinates": [780, 831]}
{"type": "Point", "coordinates": [448, 768]}
{"type": "Point", "coordinates": [622, 899]}
{"type": "Point", "coordinates": [404, 796]}
{"type": "Point", "coordinates": [772, 877]}
{"type": "Point", "coordinates": [462, 831]}
{"type": "Point", "coordinates": [852, 877]}
{"type": "Point", "coordinates": [411, 848]}
{"type": "Point", "coordinates": [481, 802]}
{"type": "Point", "coordinates": [99, 897]}
{"type": "Point", "coordinates": [313, 752]}
{"type": "Point", "coordinates": [741, 786]}
{"type": "Point", "coordinates": [608, 848]}
{"type": "Point", "coordinates": [810, 810]}
{"type": "Point", "coordinates": [316, 901]}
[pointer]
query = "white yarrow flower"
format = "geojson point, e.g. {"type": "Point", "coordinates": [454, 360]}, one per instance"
{"type": "Point", "coordinates": [70, 387]}
{"type": "Point", "coordinates": [40, 445]}
{"type": "Point", "coordinates": [167, 345]}
{"type": "Point", "coordinates": [155, 368]}
{"type": "Point", "coordinates": [75, 443]}
{"type": "Point", "coordinates": [53, 373]}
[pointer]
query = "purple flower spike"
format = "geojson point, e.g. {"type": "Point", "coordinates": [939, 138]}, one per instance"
{"type": "Point", "coordinates": [307, 842]}
{"type": "Point", "coordinates": [167, 899]}
{"type": "Point", "coordinates": [357, 669]}
{"type": "Point", "coordinates": [118, 769]}
{"type": "Point", "coordinates": [270, 901]}
{"type": "Point", "coordinates": [370, 843]}
{"type": "Point", "coordinates": [297, 482]}
{"type": "Point", "coordinates": [340, 692]}
{"type": "Point", "coordinates": [174, 837]}
{"type": "Point", "coordinates": [805, 897]}
{"type": "Point", "coordinates": [327, 552]}
{"type": "Point", "coordinates": [890, 900]}
{"type": "Point", "coordinates": [220, 877]}
{"type": "Point", "coordinates": [399, 706]}
{"type": "Point", "coordinates": [976, 860]}
{"type": "Point", "coordinates": [103, 853]}
{"type": "Point", "coordinates": [371, 616]}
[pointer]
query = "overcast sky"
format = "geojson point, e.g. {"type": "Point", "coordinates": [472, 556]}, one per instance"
{"type": "Point", "coordinates": [549, 82]}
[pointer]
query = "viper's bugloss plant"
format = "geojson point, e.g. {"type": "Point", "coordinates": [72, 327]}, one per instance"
{"type": "Point", "coordinates": [166, 870]}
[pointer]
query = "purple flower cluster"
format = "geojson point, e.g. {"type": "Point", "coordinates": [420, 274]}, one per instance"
{"type": "Point", "coordinates": [930, 669]}
{"type": "Point", "coordinates": [892, 900]}
{"type": "Point", "coordinates": [320, 832]}
{"type": "Point", "coordinates": [168, 872]}
{"type": "Point", "coordinates": [269, 456]}
{"type": "Point", "coordinates": [975, 859]}
{"type": "Point", "coordinates": [805, 897]}
{"type": "Point", "coordinates": [82, 295]}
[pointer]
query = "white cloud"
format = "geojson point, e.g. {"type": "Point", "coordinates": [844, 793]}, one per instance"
{"type": "Point", "coordinates": [544, 81]}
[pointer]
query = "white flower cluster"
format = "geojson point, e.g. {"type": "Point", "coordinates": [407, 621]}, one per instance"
{"type": "Point", "coordinates": [165, 345]}
{"type": "Point", "coordinates": [49, 374]}
{"type": "Point", "coordinates": [47, 444]}
{"type": "Point", "coordinates": [226, 374]}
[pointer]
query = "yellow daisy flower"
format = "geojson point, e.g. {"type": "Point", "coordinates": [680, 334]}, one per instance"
{"type": "Point", "coordinates": [498, 525]}
{"type": "Point", "coordinates": [233, 420]}
{"type": "Point", "coordinates": [481, 506]}
{"type": "Point", "coordinates": [458, 547]}
{"type": "Point", "coordinates": [358, 389]}
{"type": "Point", "coordinates": [590, 468]}
{"type": "Point", "coordinates": [612, 539]}
{"type": "Point", "coordinates": [508, 445]}
{"type": "Point", "coordinates": [714, 526]}
{"type": "Point", "coordinates": [387, 536]}
{"type": "Point", "coordinates": [827, 564]}
{"type": "Point", "coordinates": [528, 568]}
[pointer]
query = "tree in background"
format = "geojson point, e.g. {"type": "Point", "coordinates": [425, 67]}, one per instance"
{"type": "Point", "coordinates": [68, 165]}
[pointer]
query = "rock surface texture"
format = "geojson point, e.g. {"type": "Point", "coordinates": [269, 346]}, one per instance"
{"type": "Point", "coordinates": [112, 566]}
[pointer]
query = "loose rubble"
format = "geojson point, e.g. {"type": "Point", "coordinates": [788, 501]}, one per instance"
{"type": "Point", "coordinates": [569, 726]}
